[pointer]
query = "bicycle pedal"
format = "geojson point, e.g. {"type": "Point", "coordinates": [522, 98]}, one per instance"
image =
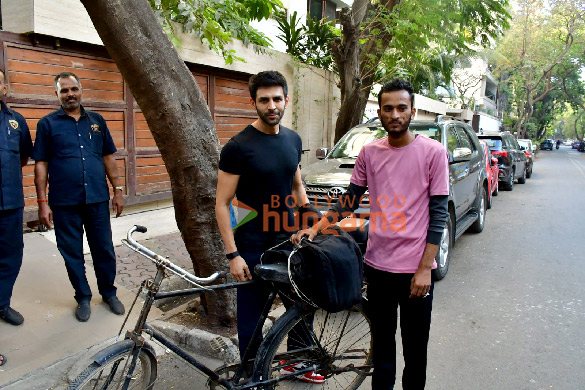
{"type": "Point", "coordinates": [218, 344]}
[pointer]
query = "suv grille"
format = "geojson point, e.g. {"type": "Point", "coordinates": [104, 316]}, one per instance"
{"type": "Point", "coordinates": [327, 195]}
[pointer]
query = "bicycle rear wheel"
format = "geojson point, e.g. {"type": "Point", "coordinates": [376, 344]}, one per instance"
{"type": "Point", "coordinates": [111, 374]}
{"type": "Point", "coordinates": [339, 345]}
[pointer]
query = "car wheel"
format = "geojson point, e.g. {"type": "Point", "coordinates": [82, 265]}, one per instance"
{"type": "Point", "coordinates": [444, 253]}
{"type": "Point", "coordinates": [479, 223]}
{"type": "Point", "coordinates": [489, 200]}
{"type": "Point", "coordinates": [529, 173]}
{"type": "Point", "coordinates": [497, 190]}
{"type": "Point", "coordinates": [522, 179]}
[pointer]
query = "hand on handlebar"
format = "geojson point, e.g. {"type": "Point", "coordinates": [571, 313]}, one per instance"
{"type": "Point", "coordinates": [297, 237]}
{"type": "Point", "coordinates": [239, 269]}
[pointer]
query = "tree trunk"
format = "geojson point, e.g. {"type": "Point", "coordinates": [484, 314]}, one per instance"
{"type": "Point", "coordinates": [357, 64]}
{"type": "Point", "coordinates": [181, 124]}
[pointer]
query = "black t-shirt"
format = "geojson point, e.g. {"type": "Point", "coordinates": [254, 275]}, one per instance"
{"type": "Point", "coordinates": [266, 164]}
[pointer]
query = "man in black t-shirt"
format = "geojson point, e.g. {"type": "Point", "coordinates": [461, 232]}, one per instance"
{"type": "Point", "coordinates": [260, 166]}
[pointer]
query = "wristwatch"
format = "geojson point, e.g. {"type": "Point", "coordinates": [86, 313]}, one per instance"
{"type": "Point", "coordinates": [232, 255]}
{"type": "Point", "coordinates": [119, 188]}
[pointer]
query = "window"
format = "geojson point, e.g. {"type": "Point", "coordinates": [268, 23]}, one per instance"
{"type": "Point", "coordinates": [322, 9]}
{"type": "Point", "coordinates": [451, 140]}
{"type": "Point", "coordinates": [465, 141]}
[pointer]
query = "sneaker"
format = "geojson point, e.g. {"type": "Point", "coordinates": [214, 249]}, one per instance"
{"type": "Point", "coordinates": [83, 311]}
{"type": "Point", "coordinates": [309, 377]}
{"type": "Point", "coordinates": [11, 316]}
{"type": "Point", "coordinates": [115, 305]}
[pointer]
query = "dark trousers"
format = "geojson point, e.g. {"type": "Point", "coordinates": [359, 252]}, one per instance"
{"type": "Point", "coordinates": [11, 245]}
{"type": "Point", "coordinates": [387, 291]}
{"type": "Point", "coordinates": [70, 222]}
{"type": "Point", "coordinates": [250, 300]}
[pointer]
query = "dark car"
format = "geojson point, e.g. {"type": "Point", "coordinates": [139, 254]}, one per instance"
{"type": "Point", "coordinates": [512, 160]}
{"type": "Point", "coordinates": [546, 144]}
{"type": "Point", "coordinates": [468, 188]}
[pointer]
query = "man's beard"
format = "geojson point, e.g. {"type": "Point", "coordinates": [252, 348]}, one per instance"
{"type": "Point", "coordinates": [392, 133]}
{"type": "Point", "coordinates": [271, 122]}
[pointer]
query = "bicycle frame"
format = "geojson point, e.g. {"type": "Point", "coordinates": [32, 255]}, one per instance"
{"type": "Point", "coordinates": [152, 286]}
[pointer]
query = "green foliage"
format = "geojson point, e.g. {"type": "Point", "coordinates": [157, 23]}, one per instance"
{"type": "Point", "coordinates": [216, 23]}
{"type": "Point", "coordinates": [431, 37]}
{"type": "Point", "coordinates": [309, 43]}
{"type": "Point", "coordinates": [544, 46]}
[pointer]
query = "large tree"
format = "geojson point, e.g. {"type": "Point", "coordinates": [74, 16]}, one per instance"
{"type": "Point", "coordinates": [396, 30]}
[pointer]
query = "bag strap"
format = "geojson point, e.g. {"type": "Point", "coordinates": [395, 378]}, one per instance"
{"type": "Point", "coordinates": [269, 249]}
{"type": "Point", "coordinates": [292, 282]}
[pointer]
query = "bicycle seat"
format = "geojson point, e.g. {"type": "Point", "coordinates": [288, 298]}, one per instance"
{"type": "Point", "coordinates": [276, 272]}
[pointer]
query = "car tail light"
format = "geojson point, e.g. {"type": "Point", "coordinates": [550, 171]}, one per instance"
{"type": "Point", "coordinates": [500, 153]}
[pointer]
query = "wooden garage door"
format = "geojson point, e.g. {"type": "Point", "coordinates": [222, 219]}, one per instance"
{"type": "Point", "coordinates": [151, 173]}
{"type": "Point", "coordinates": [31, 63]}
{"type": "Point", "coordinates": [233, 110]}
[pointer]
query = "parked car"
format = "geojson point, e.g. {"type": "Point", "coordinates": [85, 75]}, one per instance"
{"type": "Point", "coordinates": [546, 144]}
{"type": "Point", "coordinates": [576, 145]}
{"type": "Point", "coordinates": [527, 145]}
{"type": "Point", "coordinates": [491, 165]}
{"type": "Point", "coordinates": [325, 180]}
{"type": "Point", "coordinates": [511, 158]}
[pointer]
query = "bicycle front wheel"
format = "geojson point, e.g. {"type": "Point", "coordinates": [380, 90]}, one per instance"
{"type": "Point", "coordinates": [111, 374]}
{"type": "Point", "coordinates": [339, 345]}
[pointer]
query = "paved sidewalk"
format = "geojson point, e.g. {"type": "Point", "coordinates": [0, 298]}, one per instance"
{"type": "Point", "coordinates": [43, 294]}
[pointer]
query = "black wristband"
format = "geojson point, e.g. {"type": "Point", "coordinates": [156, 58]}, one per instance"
{"type": "Point", "coordinates": [232, 255]}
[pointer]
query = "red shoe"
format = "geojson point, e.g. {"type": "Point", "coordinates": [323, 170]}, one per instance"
{"type": "Point", "coordinates": [309, 377]}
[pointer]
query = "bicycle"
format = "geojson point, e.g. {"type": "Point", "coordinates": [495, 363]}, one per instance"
{"type": "Point", "coordinates": [336, 345]}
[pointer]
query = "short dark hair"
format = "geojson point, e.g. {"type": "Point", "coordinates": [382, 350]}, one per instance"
{"type": "Point", "coordinates": [64, 75]}
{"type": "Point", "coordinates": [268, 78]}
{"type": "Point", "coordinates": [397, 85]}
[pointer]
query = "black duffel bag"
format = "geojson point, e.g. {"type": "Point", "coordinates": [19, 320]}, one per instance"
{"type": "Point", "coordinates": [326, 272]}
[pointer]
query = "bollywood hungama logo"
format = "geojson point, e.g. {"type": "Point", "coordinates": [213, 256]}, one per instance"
{"type": "Point", "coordinates": [242, 214]}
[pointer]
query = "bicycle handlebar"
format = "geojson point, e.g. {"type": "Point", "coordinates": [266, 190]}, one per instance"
{"type": "Point", "coordinates": [159, 260]}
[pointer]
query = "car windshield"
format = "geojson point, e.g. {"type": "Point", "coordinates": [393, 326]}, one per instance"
{"type": "Point", "coordinates": [350, 145]}
{"type": "Point", "coordinates": [524, 143]}
{"type": "Point", "coordinates": [495, 143]}
{"type": "Point", "coordinates": [428, 130]}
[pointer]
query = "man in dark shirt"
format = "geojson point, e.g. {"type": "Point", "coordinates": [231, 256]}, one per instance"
{"type": "Point", "coordinates": [260, 166]}
{"type": "Point", "coordinates": [75, 151]}
{"type": "Point", "coordinates": [15, 149]}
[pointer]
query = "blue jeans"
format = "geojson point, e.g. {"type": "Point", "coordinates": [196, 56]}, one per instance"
{"type": "Point", "coordinates": [386, 292]}
{"type": "Point", "coordinates": [70, 222]}
{"type": "Point", "coordinates": [11, 244]}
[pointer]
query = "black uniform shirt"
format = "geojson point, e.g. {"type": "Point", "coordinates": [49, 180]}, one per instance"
{"type": "Point", "coordinates": [74, 151]}
{"type": "Point", "coordinates": [15, 145]}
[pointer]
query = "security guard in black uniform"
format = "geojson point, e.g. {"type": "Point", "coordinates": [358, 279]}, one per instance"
{"type": "Point", "coordinates": [75, 151]}
{"type": "Point", "coordinates": [15, 149]}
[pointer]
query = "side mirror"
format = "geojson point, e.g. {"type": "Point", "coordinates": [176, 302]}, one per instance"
{"type": "Point", "coordinates": [321, 153]}
{"type": "Point", "coordinates": [461, 154]}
